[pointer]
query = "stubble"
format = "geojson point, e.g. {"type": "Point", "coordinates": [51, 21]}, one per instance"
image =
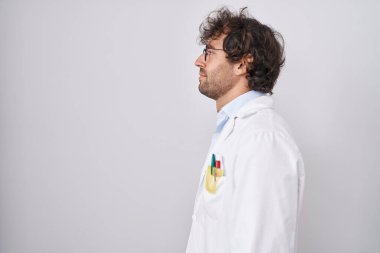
{"type": "Point", "coordinates": [217, 82]}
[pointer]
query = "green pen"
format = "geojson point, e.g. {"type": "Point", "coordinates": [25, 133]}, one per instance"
{"type": "Point", "coordinates": [212, 164]}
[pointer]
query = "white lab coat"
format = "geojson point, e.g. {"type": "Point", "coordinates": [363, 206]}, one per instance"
{"type": "Point", "coordinates": [256, 206]}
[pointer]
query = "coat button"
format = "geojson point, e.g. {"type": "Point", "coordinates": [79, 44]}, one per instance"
{"type": "Point", "coordinates": [194, 217]}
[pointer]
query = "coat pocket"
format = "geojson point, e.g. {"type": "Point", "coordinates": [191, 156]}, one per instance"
{"type": "Point", "coordinates": [214, 193]}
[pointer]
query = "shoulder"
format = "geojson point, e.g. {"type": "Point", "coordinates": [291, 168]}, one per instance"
{"type": "Point", "coordinates": [266, 129]}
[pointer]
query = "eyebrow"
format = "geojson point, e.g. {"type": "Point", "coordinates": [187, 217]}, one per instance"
{"type": "Point", "coordinates": [208, 46]}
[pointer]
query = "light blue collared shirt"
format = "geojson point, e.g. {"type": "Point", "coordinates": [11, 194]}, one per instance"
{"type": "Point", "coordinates": [230, 109]}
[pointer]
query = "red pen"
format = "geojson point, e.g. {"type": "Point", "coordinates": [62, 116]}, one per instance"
{"type": "Point", "coordinates": [216, 169]}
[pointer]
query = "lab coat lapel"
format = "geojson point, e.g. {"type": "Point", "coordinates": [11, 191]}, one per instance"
{"type": "Point", "coordinates": [227, 130]}
{"type": "Point", "coordinates": [257, 104]}
{"type": "Point", "coordinates": [252, 107]}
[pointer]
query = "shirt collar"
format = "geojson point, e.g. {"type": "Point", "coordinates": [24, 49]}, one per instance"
{"type": "Point", "coordinates": [231, 108]}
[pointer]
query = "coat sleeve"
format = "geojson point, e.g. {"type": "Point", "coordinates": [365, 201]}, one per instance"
{"type": "Point", "coordinates": [266, 196]}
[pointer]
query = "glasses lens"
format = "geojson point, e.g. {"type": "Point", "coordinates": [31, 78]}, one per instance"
{"type": "Point", "coordinates": [205, 53]}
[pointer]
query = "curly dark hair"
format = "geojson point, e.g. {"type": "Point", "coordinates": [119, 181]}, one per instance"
{"type": "Point", "coordinates": [247, 37]}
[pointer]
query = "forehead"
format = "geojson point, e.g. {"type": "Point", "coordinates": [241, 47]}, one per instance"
{"type": "Point", "coordinates": [217, 42]}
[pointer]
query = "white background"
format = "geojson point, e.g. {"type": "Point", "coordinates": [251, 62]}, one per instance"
{"type": "Point", "coordinates": [103, 130]}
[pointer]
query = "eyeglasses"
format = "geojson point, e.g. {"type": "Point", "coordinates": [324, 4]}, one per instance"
{"type": "Point", "coordinates": [206, 52]}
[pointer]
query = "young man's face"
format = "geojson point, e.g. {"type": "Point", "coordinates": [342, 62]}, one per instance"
{"type": "Point", "coordinates": [215, 72]}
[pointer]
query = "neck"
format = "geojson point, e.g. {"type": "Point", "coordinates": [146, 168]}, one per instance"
{"type": "Point", "coordinates": [230, 95]}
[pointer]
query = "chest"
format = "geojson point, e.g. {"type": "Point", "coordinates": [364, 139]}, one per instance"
{"type": "Point", "coordinates": [216, 183]}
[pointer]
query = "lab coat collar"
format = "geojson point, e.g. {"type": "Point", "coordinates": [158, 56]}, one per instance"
{"type": "Point", "coordinates": [233, 106]}
{"type": "Point", "coordinates": [262, 102]}
{"type": "Point", "coordinates": [251, 107]}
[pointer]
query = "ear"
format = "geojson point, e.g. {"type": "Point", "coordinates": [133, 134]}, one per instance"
{"type": "Point", "coordinates": [241, 66]}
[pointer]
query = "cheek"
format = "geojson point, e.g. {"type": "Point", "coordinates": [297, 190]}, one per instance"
{"type": "Point", "coordinates": [217, 71]}
{"type": "Point", "coordinates": [211, 69]}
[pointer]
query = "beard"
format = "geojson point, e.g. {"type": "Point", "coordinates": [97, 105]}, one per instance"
{"type": "Point", "coordinates": [216, 83]}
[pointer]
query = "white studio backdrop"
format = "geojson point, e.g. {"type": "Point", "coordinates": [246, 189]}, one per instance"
{"type": "Point", "coordinates": [103, 130]}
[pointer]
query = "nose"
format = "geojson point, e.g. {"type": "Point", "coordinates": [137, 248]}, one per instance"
{"type": "Point", "coordinates": [200, 62]}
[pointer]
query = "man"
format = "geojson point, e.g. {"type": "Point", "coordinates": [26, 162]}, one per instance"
{"type": "Point", "coordinates": [251, 185]}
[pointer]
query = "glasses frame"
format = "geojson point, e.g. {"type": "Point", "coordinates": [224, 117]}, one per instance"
{"type": "Point", "coordinates": [207, 48]}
